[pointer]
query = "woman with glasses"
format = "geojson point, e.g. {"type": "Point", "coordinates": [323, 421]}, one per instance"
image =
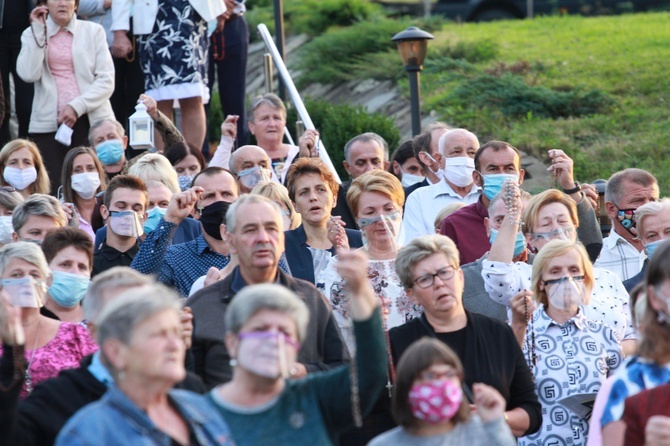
{"type": "Point", "coordinates": [548, 216]}
{"type": "Point", "coordinates": [50, 345]}
{"type": "Point", "coordinates": [569, 353]}
{"type": "Point", "coordinates": [429, 270]}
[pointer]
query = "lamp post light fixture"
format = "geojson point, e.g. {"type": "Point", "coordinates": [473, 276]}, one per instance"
{"type": "Point", "coordinates": [412, 46]}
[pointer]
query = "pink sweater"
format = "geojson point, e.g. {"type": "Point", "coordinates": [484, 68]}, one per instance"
{"type": "Point", "coordinates": [62, 68]}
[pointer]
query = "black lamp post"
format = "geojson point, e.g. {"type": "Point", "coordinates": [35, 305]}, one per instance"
{"type": "Point", "coordinates": [412, 45]}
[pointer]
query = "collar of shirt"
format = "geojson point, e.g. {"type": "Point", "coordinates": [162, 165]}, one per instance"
{"type": "Point", "coordinates": [53, 28]}
{"type": "Point", "coordinates": [112, 254]}
{"type": "Point", "coordinates": [99, 371]}
{"type": "Point", "coordinates": [614, 239]}
{"type": "Point", "coordinates": [443, 188]}
{"type": "Point", "coordinates": [480, 209]}
{"type": "Point", "coordinates": [542, 321]}
{"type": "Point", "coordinates": [201, 245]}
{"type": "Point", "coordinates": [238, 281]}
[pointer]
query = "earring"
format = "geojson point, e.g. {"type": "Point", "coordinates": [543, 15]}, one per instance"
{"type": "Point", "coordinates": [232, 362]}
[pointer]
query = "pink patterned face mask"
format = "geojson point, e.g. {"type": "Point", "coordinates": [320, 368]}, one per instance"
{"type": "Point", "coordinates": [435, 401]}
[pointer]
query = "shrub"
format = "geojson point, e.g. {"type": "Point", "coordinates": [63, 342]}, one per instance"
{"type": "Point", "coordinates": [314, 17]}
{"type": "Point", "coordinates": [338, 123]}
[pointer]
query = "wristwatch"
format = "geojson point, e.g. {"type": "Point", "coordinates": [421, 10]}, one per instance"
{"type": "Point", "coordinates": [574, 190]}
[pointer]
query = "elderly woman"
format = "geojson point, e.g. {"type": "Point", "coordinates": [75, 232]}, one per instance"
{"type": "Point", "coordinates": [279, 194]}
{"type": "Point", "coordinates": [84, 179]}
{"type": "Point", "coordinates": [376, 199]}
{"type": "Point", "coordinates": [570, 354]}
{"type": "Point", "coordinates": [69, 253]}
{"type": "Point", "coordinates": [429, 270]}
{"type": "Point", "coordinates": [651, 367]}
{"type": "Point", "coordinates": [547, 216]}
{"type": "Point", "coordinates": [430, 369]}
{"type": "Point", "coordinates": [51, 345]}
{"type": "Point", "coordinates": [155, 167]}
{"type": "Point", "coordinates": [69, 63]}
{"type": "Point", "coordinates": [9, 200]}
{"type": "Point", "coordinates": [36, 216]}
{"type": "Point", "coordinates": [313, 189]}
{"type": "Point", "coordinates": [23, 169]}
{"type": "Point", "coordinates": [265, 326]}
{"type": "Point", "coordinates": [186, 161]}
{"type": "Point", "coordinates": [141, 343]}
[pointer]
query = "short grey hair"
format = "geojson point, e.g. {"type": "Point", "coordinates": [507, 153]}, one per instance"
{"type": "Point", "coordinates": [119, 318]}
{"type": "Point", "coordinates": [117, 125]}
{"type": "Point", "coordinates": [119, 277]}
{"type": "Point", "coordinates": [420, 249]}
{"type": "Point", "coordinates": [231, 214]}
{"type": "Point", "coordinates": [614, 190]}
{"type": "Point", "coordinates": [266, 296]}
{"type": "Point", "coordinates": [649, 209]}
{"type": "Point", "coordinates": [28, 251]}
{"type": "Point", "coordinates": [367, 137]}
{"type": "Point", "coordinates": [10, 199]}
{"type": "Point", "coordinates": [38, 204]}
{"type": "Point", "coordinates": [270, 99]}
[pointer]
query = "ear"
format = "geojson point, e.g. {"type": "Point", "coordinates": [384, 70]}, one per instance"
{"type": "Point", "coordinates": [346, 167]}
{"type": "Point", "coordinates": [486, 225]}
{"type": "Point", "coordinates": [396, 168]}
{"type": "Point", "coordinates": [115, 352]}
{"type": "Point", "coordinates": [104, 212]}
{"type": "Point", "coordinates": [386, 165]}
{"type": "Point", "coordinates": [250, 125]}
{"type": "Point", "coordinates": [423, 157]}
{"type": "Point", "coordinates": [611, 210]}
{"type": "Point", "coordinates": [522, 174]}
{"type": "Point", "coordinates": [232, 342]}
{"type": "Point", "coordinates": [230, 239]}
{"type": "Point", "coordinates": [15, 237]}
{"type": "Point", "coordinates": [124, 142]}
{"type": "Point", "coordinates": [224, 232]}
{"type": "Point", "coordinates": [478, 178]}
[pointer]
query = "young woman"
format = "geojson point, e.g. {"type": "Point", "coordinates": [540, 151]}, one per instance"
{"type": "Point", "coordinates": [23, 169]}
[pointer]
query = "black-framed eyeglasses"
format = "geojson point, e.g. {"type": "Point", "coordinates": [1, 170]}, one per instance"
{"type": "Point", "coordinates": [427, 280]}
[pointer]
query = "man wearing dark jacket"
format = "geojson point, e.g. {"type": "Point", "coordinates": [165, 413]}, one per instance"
{"type": "Point", "coordinates": [255, 234]}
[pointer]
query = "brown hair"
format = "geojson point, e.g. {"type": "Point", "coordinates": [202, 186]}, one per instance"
{"type": "Point", "coordinates": [42, 185]}
{"type": "Point", "coordinates": [654, 344]}
{"type": "Point", "coordinates": [57, 240]}
{"type": "Point", "coordinates": [127, 182]}
{"type": "Point", "coordinates": [305, 166]}
{"type": "Point", "coordinates": [542, 199]}
{"type": "Point", "coordinates": [68, 166]}
{"type": "Point", "coordinates": [496, 146]}
{"type": "Point", "coordinates": [418, 357]}
{"type": "Point", "coordinates": [375, 180]}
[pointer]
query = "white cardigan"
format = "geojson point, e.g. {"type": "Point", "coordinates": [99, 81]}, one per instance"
{"type": "Point", "coordinates": [145, 12]}
{"type": "Point", "coordinates": [93, 69]}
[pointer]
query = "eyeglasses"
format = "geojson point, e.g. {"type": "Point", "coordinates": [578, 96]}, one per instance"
{"type": "Point", "coordinates": [432, 376]}
{"type": "Point", "coordinates": [427, 280]}
{"type": "Point", "coordinates": [560, 233]}
{"type": "Point", "coordinates": [564, 279]}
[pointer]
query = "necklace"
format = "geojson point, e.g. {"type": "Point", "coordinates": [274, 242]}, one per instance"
{"type": "Point", "coordinates": [390, 373]}
{"type": "Point", "coordinates": [29, 378]}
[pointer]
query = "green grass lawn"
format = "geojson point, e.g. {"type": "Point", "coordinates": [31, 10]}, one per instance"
{"type": "Point", "coordinates": [627, 57]}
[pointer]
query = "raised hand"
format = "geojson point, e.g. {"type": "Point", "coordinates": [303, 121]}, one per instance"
{"type": "Point", "coordinates": [352, 266]}
{"type": "Point", "coordinates": [308, 143]}
{"type": "Point", "coordinates": [489, 402]}
{"type": "Point", "coordinates": [182, 204]}
{"type": "Point", "coordinates": [229, 126]}
{"type": "Point", "coordinates": [11, 330]}
{"type": "Point", "coordinates": [336, 233]}
{"type": "Point", "coordinates": [561, 166]}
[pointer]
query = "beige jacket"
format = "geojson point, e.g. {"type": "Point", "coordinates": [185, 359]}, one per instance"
{"type": "Point", "coordinates": [93, 69]}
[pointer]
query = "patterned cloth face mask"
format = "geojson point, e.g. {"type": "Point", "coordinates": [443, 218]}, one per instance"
{"type": "Point", "coordinates": [626, 217]}
{"type": "Point", "coordinates": [435, 401]}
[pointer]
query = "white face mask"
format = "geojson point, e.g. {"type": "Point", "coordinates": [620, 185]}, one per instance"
{"type": "Point", "coordinates": [85, 184]}
{"type": "Point", "coordinates": [566, 293]}
{"type": "Point", "coordinates": [6, 229]}
{"type": "Point", "coordinates": [268, 354]}
{"type": "Point", "coordinates": [459, 170]}
{"type": "Point", "coordinates": [409, 179]}
{"type": "Point", "coordinates": [20, 179]}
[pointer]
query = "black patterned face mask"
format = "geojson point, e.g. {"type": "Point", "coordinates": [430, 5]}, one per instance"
{"type": "Point", "coordinates": [212, 217]}
{"type": "Point", "coordinates": [626, 218]}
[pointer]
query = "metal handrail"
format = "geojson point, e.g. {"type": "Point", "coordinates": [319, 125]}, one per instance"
{"type": "Point", "coordinates": [295, 96]}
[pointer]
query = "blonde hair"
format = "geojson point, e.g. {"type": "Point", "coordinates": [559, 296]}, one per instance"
{"type": "Point", "coordinates": [556, 248]}
{"type": "Point", "coordinates": [42, 185]}
{"type": "Point", "coordinates": [278, 193]}
{"type": "Point", "coordinates": [649, 209]}
{"type": "Point", "coordinates": [445, 212]}
{"type": "Point", "coordinates": [420, 249]}
{"type": "Point", "coordinates": [156, 167]}
{"type": "Point", "coordinates": [536, 203]}
{"type": "Point", "coordinates": [379, 181]}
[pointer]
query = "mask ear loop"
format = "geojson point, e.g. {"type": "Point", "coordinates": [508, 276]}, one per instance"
{"type": "Point", "coordinates": [283, 365]}
{"type": "Point", "coordinates": [387, 221]}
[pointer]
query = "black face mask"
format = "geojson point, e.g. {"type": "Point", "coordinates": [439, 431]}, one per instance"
{"type": "Point", "coordinates": [212, 217]}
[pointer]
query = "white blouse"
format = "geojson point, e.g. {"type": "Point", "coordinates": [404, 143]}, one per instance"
{"type": "Point", "coordinates": [609, 298]}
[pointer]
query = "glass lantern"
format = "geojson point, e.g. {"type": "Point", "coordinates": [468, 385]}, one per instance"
{"type": "Point", "coordinates": [141, 128]}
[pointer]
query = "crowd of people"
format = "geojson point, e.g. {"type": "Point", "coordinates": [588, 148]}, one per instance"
{"type": "Point", "coordinates": [245, 296]}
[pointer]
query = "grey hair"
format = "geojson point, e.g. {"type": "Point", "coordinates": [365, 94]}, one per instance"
{"type": "Point", "coordinates": [38, 204]}
{"type": "Point", "coordinates": [614, 190]}
{"type": "Point", "coordinates": [119, 277]}
{"type": "Point", "coordinates": [420, 249]}
{"type": "Point", "coordinates": [266, 296]}
{"type": "Point", "coordinates": [154, 166]}
{"type": "Point", "coordinates": [28, 251]}
{"type": "Point", "coordinates": [270, 99]}
{"type": "Point", "coordinates": [118, 319]}
{"type": "Point", "coordinates": [231, 214]}
{"type": "Point", "coordinates": [119, 128]}
{"type": "Point", "coordinates": [367, 137]}
{"type": "Point", "coordinates": [9, 200]}
{"type": "Point", "coordinates": [649, 209]}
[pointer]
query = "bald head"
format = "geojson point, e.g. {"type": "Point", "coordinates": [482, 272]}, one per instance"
{"type": "Point", "coordinates": [458, 142]}
{"type": "Point", "coordinates": [247, 157]}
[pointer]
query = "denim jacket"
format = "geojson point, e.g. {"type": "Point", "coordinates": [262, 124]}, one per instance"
{"type": "Point", "coordinates": [115, 420]}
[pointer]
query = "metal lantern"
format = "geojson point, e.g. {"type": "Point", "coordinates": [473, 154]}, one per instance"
{"type": "Point", "coordinates": [141, 128]}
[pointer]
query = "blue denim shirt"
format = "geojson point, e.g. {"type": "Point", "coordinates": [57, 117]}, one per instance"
{"type": "Point", "coordinates": [115, 420]}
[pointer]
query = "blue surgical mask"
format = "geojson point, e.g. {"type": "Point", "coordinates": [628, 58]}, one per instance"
{"type": "Point", "coordinates": [154, 215]}
{"type": "Point", "coordinates": [110, 151]}
{"type": "Point", "coordinates": [185, 181]}
{"type": "Point", "coordinates": [519, 245]}
{"type": "Point", "coordinates": [68, 289]}
{"type": "Point", "coordinates": [651, 247]}
{"type": "Point", "coordinates": [493, 183]}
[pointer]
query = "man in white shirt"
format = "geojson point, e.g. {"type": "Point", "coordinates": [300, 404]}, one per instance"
{"type": "Point", "coordinates": [455, 156]}
{"type": "Point", "coordinates": [627, 190]}
{"type": "Point", "coordinates": [425, 147]}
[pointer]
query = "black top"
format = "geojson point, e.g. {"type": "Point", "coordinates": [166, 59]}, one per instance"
{"type": "Point", "coordinates": [490, 355]}
{"type": "Point", "coordinates": [456, 340]}
{"type": "Point", "coordinates": [342, 207]}
{"type": "Point", "coordinates": [107, 257]}
{"type": "Point", "coordinates": [38, 419]}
